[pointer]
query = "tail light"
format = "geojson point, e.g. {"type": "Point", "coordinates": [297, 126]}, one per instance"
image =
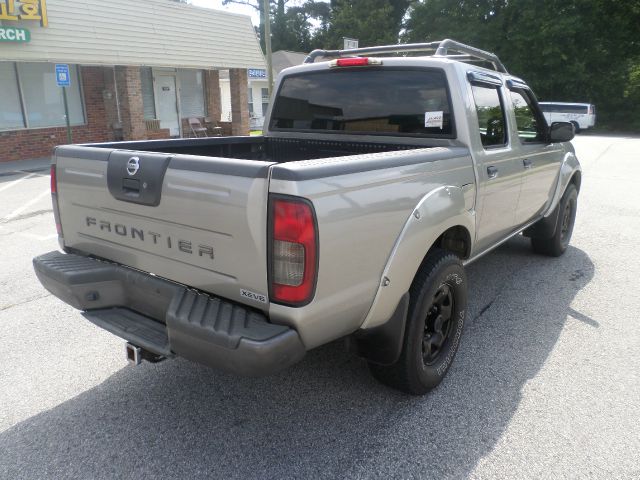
{"type": "Point", "coordinates": [294, 251]}
{"type": "Point", "coordinates": [54, 199]}
{"type": "Point", "coordinates": [355, 62]}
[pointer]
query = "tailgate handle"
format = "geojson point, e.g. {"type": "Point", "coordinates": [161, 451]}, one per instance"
{"type": "Point", "coordinates": [131, 186]}
{"type": "Point", "coordinates": [141, 185]}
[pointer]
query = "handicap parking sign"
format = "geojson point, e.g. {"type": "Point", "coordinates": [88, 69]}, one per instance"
{"type": "Point", "coordinates": [63, 79]}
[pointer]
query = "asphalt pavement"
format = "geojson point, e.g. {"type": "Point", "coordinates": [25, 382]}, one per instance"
{"type": "Point", "coordinates": [546, 383]}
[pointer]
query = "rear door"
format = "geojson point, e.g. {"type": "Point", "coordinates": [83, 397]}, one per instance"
{"type": "Point", "coordinates": [538, 159]}
{"type": "Point", "coordinates": [200, 221]}
{"type": "Point", "coordinates": [500, 174]}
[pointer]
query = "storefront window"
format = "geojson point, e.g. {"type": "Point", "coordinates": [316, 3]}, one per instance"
{"type": "Point", "coordinates": [148, 100]}
{"type": "Point", "coordinates": [43, 98]}
{"type": "Point", "coordinates": [191, 93]}
{"type": "Point", "coordinates": [10, 107]}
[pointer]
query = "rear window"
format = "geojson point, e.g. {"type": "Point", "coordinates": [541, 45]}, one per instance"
{"type": "Point", "coordinates": [381, 101]}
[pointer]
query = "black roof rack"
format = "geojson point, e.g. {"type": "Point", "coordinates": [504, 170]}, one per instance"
{"type": "Point", "coordinates": [441, 48]}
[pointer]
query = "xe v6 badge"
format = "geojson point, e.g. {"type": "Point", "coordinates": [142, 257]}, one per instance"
{"type": "Point", "coordinates": [133, 165]}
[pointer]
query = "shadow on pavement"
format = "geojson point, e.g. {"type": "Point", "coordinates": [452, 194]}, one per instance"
{"type": "Point", "coordinates": [325, 417]}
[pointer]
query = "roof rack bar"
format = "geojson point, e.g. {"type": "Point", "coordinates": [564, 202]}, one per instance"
{"type": "Point", "coordinates": [441, 49]}
{"type": "Point", "coordinates": [381, 49]}
{"type": "Point", "coordinates": [447, 44]}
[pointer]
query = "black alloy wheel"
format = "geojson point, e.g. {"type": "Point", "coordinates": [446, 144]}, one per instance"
{"type": "Point", "coordinates": [434, 324]}
{"type": "Point", "coordinates": [557, 244]}
{"type": "Point", "coordinates": [438, 324]}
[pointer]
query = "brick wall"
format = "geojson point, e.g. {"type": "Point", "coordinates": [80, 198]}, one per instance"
{"type": "Point", "coordinates": [131, 106]}
{"type": "Point", "coordinates": [212, 84]}
{"type": "Point", "coordinates": [38, 143]}
{"type": "Point", "coordinates": [238, 84]}
{"type": "Point", "coordinates": [102, 116]}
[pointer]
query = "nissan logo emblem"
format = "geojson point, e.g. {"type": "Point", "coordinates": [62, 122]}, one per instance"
{"type": "Point", "coordinates": [133, 165]}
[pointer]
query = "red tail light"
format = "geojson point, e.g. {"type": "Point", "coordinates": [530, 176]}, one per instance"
{"type": "Point", "coordinates": [54, 200]}
{"type": "Point", "coordinates": [355, 62]}
{"type": "Point", "coordinates": [54, 183]}
{"type": "Point", "coordinates": [294, 251]}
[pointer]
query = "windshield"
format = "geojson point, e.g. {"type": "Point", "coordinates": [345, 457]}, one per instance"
{"type": "Point", "coordinates": [381, 101]}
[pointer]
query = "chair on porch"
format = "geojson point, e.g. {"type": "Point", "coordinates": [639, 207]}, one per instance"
{"type": "Point", "coordinates": [212, 127]}
{"type": "Point", "coordinates": [196, 127]}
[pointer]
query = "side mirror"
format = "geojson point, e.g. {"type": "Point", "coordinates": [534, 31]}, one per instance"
{"type": "Point", "coordinates": [561, 132]}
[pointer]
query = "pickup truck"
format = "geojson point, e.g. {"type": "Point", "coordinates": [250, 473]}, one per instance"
{"type": "Point", "coordinates": [376, 180]}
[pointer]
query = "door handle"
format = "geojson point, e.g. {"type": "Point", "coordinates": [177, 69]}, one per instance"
{"type": "Point", "coordinates": [527, 163]}
{"type": "Point", "coordinates": [492, 172]}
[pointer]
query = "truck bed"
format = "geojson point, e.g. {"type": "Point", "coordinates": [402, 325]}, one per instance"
{"type": "Point", "coordinates": [270, 149]}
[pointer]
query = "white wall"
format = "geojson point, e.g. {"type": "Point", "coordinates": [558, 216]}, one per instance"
{"type": "Point", "coordinates": [256, 87]}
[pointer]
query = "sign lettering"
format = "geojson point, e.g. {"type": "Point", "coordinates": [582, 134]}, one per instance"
{"type": "Point", "coordinates": [16, 10]}
{"type": "Point", "coordinates": [12, 34]}
{"type": "Point", "coordinates": [257, 73]}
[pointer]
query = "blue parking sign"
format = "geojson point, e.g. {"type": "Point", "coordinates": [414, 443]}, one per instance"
{"type": "Point", "coordinates": [63, 79]}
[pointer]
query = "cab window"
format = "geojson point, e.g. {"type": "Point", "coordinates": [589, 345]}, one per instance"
{"type": "Point", "coordinates": [491, 120]}
{"type": "Point", "coordinates": [531, 124]}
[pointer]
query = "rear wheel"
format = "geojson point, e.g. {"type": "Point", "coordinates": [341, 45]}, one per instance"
{"type": "Point", "coordinates": [438, 301]}
{"type": "Point", "coordinates": [558, 243]}
{"type": "Point", "coordinates": [576, 127]}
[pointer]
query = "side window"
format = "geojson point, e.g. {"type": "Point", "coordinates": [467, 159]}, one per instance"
{"type": "Point", "coordinates": [491, 123]}
{"type": "Point", "coordinates": [531, 124]}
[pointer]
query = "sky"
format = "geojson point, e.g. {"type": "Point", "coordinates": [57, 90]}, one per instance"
{"type": "Point", "coordinates": [217, 4]}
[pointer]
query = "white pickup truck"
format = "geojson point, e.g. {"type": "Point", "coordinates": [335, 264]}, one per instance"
{"type": "Point", "coordinates": [376, 180]}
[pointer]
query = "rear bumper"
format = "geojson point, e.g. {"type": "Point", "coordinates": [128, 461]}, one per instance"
{"type": "Point", "coordinates": [169, 319]}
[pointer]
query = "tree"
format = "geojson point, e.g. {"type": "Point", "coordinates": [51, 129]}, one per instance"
{"type": "Point", "coordinates": [372, 22]}
{"type": "Point", "coordinates": [571, 50]}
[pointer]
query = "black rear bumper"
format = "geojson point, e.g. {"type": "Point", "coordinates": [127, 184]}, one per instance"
{"type": "Point", "coordinates": [167, 318]}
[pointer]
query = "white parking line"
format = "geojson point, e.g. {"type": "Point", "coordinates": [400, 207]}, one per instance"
{"type": "Point", "coordinates": [33, 236]}
{"type": "Point", "coordinates": [15, 182]}
{"type": "Point", "coordinates": [18, 211]}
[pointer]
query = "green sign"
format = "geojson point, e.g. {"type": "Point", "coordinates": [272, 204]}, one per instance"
{"type": "Point", "coordinates": [14, 34]}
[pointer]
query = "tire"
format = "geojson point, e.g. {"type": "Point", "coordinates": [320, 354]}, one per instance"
{"type": "Point", "coordinates": [576, 127]}
{"type": "Point", "coordinates": [431, 339]}
{"type": "Point", "coordinates": [558, 243]}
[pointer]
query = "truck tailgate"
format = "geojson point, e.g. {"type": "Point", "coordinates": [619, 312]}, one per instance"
{"type": "Point", "coordinates": [200, 221]}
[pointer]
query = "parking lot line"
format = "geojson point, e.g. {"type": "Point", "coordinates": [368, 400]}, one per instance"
{"type": "Point", "coordinates": [15, 182]}
{"type": "Point", "coordinates": [18, 211]}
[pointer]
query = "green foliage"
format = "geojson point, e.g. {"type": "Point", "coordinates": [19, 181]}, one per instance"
{"type": "Point", "coordinates": [372, 22]}
{"type": "Point", "coordinates": [567, 50]}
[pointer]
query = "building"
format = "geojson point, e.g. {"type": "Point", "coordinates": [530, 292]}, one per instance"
{"type": "Point", "coordinates": [137, 70]}
{"type": "Point", "coordinates": [284, 59]}
{"type": "Point", "coordinates": [258, 95]}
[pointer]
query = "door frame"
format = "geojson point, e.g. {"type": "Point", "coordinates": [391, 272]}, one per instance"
{"type": "Point", "coordinates": [169, 72]}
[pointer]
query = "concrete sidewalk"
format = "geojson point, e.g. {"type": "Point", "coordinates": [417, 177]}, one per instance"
{"type": "Point", "coordinates": [32, 165]}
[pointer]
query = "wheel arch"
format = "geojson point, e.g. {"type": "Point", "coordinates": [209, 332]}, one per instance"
{"type": "Point", "coordinates": [440, 220]}
{"type": "Point", "coordinates": [570, 172]}
{"type": "Point", "coordinates": [576, 179]}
